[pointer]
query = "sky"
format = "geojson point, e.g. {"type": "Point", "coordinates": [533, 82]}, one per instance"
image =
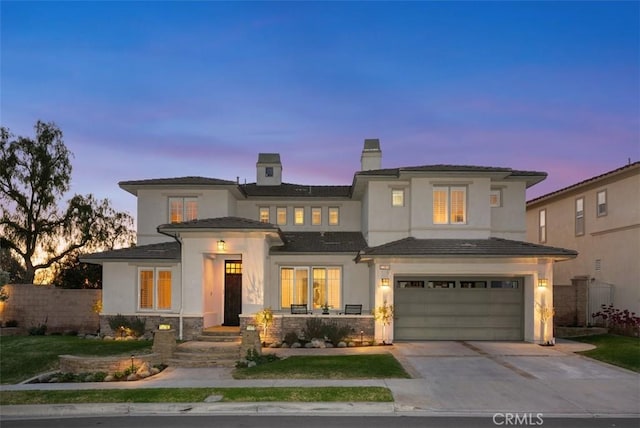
{"type": "Point", "coordinates": [145, 89]}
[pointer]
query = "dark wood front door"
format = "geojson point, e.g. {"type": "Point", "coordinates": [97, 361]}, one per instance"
{"type": "Point", "coordinates": [232, 292]}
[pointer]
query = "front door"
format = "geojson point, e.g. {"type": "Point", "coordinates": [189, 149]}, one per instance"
{"type": "Point", "coordinates": [232, 292]}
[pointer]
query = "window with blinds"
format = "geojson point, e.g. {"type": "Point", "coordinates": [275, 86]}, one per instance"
{"type": "Point", "coordinates": [449, 205]}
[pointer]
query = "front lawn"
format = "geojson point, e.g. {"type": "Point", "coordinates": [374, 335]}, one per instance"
{"type": "Point", "coordinates": [22, 357]}
{"type": "Point", "coordinates": [621, 351]}
{"type": "Point", "coordinates": [198, 395]}
{"type": "Point", "coordinates": [374, 366]}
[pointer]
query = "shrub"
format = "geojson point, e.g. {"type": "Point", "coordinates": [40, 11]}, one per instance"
{"type": "Point", "coordinates": [290, 338]}
{"type": "Point", "coordinates": [125, 325]}
{"type": "Point", "coordinates": [11, 323]}
{"type": "Point", "coordinates": [335, 333]}
{"type": "Point", "coordinates": [313, 329]}
{"type": "Point", "coordinates": [619, 321]}
{"type": "Point", "coordinates": [40, 330]}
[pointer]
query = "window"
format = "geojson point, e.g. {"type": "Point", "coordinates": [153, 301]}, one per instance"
{"type": "Point", "coordinates": [334, 216]}
{"type": "Point", "coordinates": [579, 216]}
{"type": "Point", "coordinates": [542, 226]}
{"type": "Point", "coordinates": [397, 197]}
{"type": "Point", "coordinates": [155, 289]}
{"type": "Point", "coordinates": [183, 209]}
{"type": "Point", "coordinates": [602, 203]}
{"type": "Point", "coordinates": [495, 198]}
{"type": "Point", "coordinates": [449, 205]}
{"type": "Point", "coordinates": [326, 286]}
{"type": "Point", "coordinates": [268, 171]}
{"type": "Point", "coordinates": [316, 216]}
{"type": "Point", "coordinates": [281, 213]}
{"type": "Point", "coordinates": [298, 216]}
{"type": "Point", "coordinates": [264, 215]}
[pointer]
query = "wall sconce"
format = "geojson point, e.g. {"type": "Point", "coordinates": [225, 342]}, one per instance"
{"type": "Point", "coordinates": [384, 282]}
{"type": "Point", "coordinates": [221, 245]}
{"type": "Point", "coordinates": [543, 282]}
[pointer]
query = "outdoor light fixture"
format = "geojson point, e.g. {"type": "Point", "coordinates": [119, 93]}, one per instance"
{"type": "Point", "coordinates": [384, 282]}
{"type": "Point", "coordinates": [221, 245]}
{"type": "Point", "coordinates": [164, 327]}
{"type": "Point", "coordinates": [543, 283]}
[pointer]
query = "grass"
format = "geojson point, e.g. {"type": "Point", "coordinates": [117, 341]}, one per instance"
{"type": "Point", "coordinates": [22, 357]}
{"type": "Point", "coordinates": [374, 366]}
{"type": "Point", "coordinates": [622, 351]}
{"type": "Point", "coordinates": [198, 395]}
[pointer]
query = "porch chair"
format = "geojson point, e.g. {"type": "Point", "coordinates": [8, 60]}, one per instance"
{"type": "Point", "coordinates": [353, 309]}
{"type": "Point", "coordinates": [299, 309]}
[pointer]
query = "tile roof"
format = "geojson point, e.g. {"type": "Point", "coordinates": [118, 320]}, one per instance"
{"type": "Point", "coordinates": [318, 242]}
{"type": "Point", "coordinates": [190, 181]}
{"type": "Point", "coordinates": [296, 190]}
{"type": "Point", "coordinates": [237, 223]}
{"type": "Point", "coordinates": [492, 247]}
{"type": "Point", "coordinates": [162, 251]}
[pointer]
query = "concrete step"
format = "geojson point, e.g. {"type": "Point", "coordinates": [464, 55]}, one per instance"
{"type": "Point", "coordinates": [218, 338]}
{"type": "Point", "coordinates": [206, 354]}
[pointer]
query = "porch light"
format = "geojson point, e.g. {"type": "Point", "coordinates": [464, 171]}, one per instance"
{"type": "Point", "coordinates": [221, 245]}
{"type": "Point", "coordinates": [543, 282]}
{"type": "Point", "coordinates": [164, 327]}
{"type": "Point", "coordinates": [384, 282]}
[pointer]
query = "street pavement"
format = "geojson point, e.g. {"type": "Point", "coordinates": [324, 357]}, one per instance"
{"type": "Point", "coordinates": [448, 378]}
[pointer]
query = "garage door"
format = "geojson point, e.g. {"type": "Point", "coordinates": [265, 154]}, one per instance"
{"type": "Point", "coordinates": [459, 309]}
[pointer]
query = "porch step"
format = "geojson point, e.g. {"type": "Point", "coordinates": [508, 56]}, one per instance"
{"type": "Point", "coordinates": [206, 354]}
{"type": "Point", "coordinates": [220, 334]}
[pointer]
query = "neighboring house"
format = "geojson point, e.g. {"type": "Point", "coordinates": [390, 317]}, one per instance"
{"type": "Point", "coordinates": [600, 218]}
{"type": "Point", "coordinates": [444, 244]}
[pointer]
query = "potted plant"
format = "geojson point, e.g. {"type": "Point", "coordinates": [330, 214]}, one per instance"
{"type": "Point", "coordinates": [325, 308]}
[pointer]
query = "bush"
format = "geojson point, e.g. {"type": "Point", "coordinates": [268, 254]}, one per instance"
{"type": "Point", "coordinates": [127, 326]}
{"type": "Point", "coordinates": [40, 330]}
{"type": "Point", "coordinates": [290, 338]}
{"type": "Point", "coordinates": [313, 329]}
{"type": "Point", "coordinates": [619, 321]}
{"type": "Point", "coordinates": [335, 333]}
{"type": "Point", "coordinates": [11, 323]}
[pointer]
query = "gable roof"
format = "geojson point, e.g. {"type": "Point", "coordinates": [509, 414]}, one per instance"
{"type": "Point", "coordinates": [227, 223]}
{"type": "Point", "coordinates": [492, 247]}
{"type": "Point", "coordinates": [319, 242]}
{"type": "Point", "coordinates": [165, 251]}
{"type": "Point", "coordinates": [588, 181]}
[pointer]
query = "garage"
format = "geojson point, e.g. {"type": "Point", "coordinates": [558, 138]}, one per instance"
{"type": "Point", "coordinates": [450, 308]}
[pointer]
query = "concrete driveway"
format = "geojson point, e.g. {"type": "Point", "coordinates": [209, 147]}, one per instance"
{"type": "Point", "coordinates": [512, 377]}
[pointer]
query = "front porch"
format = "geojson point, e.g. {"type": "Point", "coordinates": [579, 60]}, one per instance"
{"type": "Point", "coordinates": [362, 327]}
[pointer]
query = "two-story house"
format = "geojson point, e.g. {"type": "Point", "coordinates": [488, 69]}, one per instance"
{"type": "Point", "coordinates": [600, 218]}
{"type": "Point", "coordinates": [444, 244]}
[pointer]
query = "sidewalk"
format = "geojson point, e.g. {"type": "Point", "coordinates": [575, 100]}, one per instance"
{"type": "Point", "coordinates": [449, 378]}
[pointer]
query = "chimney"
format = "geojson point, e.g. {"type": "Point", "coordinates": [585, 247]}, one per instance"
{"type": "Point", "coordinates": [371, 157]}
{"type": "Point", "coordinates": [268, 169]}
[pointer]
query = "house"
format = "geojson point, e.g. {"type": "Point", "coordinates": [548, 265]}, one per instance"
{"type": "Point", "coordinates": [444, 244]}
{"type": "Point", "coordinates": [600, 218]}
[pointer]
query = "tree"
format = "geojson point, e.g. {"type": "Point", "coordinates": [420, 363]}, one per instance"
{"type": "Point", "coordinates": [35, 174]}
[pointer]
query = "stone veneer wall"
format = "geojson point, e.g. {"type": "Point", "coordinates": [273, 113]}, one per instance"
{"type": "Point", "coordinates": [61, 309]}
{"type": "Point", "coordinates": [74, 364]}
{"type": "Point", "coordinates": [192, 326]}
{"type": "Point", "coordinates": [284, 323]}
{"type": "Point", "coordinates": [570, 303]}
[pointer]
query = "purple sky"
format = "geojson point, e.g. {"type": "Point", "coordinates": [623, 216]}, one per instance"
{"type": "Point", "coordinates": [165, 89]}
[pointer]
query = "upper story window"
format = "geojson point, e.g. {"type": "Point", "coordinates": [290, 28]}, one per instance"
{"type": "Point", "coordinates": [601, 209]}
{"type": "Point", "coordinates": [268, 171]}
{"type": "Point", "coordinates": [182, 209]}
{"type": "Point", "coordinates": [154, 288]}
{"type": "Point", "coordinates": [397, 197]}
{"type": "Point", "coordinates": [579, 216]}
{"type": "Point", "coordinates": [298, 216]}
{"type": "Point", "coordinates": [449, 205]}
{"type": "Point", "coordinates": [542, 225]}
{"type": "Point", "coordinates": [264, 214]}
{"type": "Point", "coordinates": [316, 216]}
{"type": "Point", "coordinates": [495, 198]}
{"type": "Point", "coordinates": [334, 216]}
{"type": "Point", "coordinates": [281, 215]}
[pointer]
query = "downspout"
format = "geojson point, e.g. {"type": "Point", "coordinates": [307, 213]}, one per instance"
{"type": "Point", "coordinates": [181, 315]}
